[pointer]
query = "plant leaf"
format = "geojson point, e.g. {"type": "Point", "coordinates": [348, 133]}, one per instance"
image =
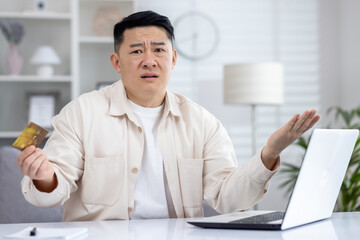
{"type": "Point", "coordinates": [302, 142]}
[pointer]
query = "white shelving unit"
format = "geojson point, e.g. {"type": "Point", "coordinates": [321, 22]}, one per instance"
{"type": "Point", "coordinates": [14, 134]}
{"type": "Point", "coordinates": [34, 78]}
{"type": "Point", "coordinates": [35, 15]}
{"type": "Point", "coordinates": [68, 26]}
{"type": "Point", "coordinates": [51, 27]}
{"type": "Point", "coordinates": [9, 134]}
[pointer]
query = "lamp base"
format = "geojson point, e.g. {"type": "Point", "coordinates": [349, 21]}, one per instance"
{"type": "Point", "coordinates": [45, 71]}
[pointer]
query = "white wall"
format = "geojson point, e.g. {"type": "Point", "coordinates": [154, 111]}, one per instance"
{"type": "Point", "coordinates": [339, 54]}
{"type": "Point", "coordinates": [349, 32]}
{"type": "Point", "coordinates": [329, 47]}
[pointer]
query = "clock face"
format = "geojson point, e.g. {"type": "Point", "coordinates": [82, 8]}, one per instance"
{"type": "Point", "coordinates": [196, 35]}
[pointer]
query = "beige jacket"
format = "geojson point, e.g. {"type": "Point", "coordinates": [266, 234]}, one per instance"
{"type": "Point", "coordinates": [96, 149]}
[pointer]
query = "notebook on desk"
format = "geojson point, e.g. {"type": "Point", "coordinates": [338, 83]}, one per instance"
{"type": "Point", "coordinates": [315, 192]}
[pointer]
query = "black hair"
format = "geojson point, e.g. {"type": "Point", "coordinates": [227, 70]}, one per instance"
{"type": "Point", "coordinates": [142, 19]}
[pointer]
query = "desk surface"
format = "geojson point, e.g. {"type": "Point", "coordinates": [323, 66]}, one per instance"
{"type": "Point", "coordinates": [339, 226]}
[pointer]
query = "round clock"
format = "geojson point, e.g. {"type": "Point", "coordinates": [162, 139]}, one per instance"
{"type": "Point", "coordinates": [196, 35]}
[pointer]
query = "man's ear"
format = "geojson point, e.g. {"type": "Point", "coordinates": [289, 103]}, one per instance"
{"type": "Point", "coordinates": [115, 61]}
{"type": "Point", "coordinates": [174, 58]}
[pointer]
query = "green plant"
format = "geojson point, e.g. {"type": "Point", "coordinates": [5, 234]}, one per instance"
{"type": "Point", "coordinates": [349, 196]}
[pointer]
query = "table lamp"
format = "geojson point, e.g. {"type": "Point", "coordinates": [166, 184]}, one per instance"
{"type": "Point", "coordinates": [45, 57]}
{"type": "Point", "coordinates": [253, 84]}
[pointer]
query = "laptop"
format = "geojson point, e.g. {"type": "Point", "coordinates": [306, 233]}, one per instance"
{"type": "Point", "coordinates": [315, 192]}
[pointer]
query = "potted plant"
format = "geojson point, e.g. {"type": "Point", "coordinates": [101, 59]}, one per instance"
{"type": "Point", "coordinates": [349, 196]}
{"type": "Point", "coordinates": [13, 32]}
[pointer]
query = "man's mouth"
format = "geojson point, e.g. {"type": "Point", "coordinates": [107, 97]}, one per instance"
{"type": "Point", "coordinates": [148, 76]}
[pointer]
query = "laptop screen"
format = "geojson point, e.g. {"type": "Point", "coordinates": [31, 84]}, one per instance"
{"type": "Point", "coordinates": [320, 177]}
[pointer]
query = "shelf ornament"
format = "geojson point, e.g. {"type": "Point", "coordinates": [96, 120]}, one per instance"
{"type": "Point", "coordinates": [104, 20]}
{"type": "Point", "coordinates": [14, 33]}
{"type": "Point", "coordinates": [45, 57]}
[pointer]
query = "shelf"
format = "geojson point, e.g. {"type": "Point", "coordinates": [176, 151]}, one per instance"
{"type": "Point", "coordinates": [11, 134]}
{"type": "Point", "coordinates": [34, 78]}
{"type": "Point", "coordinates": [15, 134]}
{"type": "Point", "coordinates": [106, 1]}
{"type": "Point", "coordinates": [96, 39]}
{"type": "Point", "coordinates": [36, 15]}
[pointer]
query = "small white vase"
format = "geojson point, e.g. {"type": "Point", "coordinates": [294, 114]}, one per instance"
{"type": "Point", "coordinates": [14, 60]}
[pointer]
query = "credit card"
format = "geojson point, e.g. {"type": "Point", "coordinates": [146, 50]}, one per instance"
{"type": "Point", "coordinates": [32, 134]}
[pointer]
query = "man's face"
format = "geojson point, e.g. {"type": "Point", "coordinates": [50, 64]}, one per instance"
{"type": "Point", "coordinates": [145, 61]}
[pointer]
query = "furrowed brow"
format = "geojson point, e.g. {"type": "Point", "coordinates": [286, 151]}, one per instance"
{"type": "Point", "coordinates": [158, 43]}
{"type": "Point", "coordinates": [136, 45]}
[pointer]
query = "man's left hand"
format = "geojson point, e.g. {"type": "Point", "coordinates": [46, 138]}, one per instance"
{"type": "Point", "coordinates": [286, 135]}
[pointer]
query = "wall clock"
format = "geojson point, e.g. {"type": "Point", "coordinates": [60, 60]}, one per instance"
{"type": "Point", "coordinates": [196, 35]}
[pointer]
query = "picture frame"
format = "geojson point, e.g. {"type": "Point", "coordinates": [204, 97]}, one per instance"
{"type": "Point", "coordinates": [42, 107]}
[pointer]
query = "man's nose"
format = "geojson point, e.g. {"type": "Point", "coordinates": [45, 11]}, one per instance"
{"type": "Point", "coordinates": [149, 60]}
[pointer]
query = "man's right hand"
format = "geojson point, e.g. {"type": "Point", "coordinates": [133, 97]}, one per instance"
{"type": "Point", "coordinates": [34, 163]}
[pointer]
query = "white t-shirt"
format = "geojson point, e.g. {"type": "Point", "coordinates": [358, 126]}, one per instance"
{"type": "Point", "coordinates": [150, 197]}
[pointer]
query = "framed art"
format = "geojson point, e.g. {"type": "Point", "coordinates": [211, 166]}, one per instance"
{"type": "Point", "coordinates": [42, 107]}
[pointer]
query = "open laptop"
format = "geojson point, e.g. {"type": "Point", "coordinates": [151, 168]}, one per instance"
{"type": "Point", "coordinates": [315, 192]}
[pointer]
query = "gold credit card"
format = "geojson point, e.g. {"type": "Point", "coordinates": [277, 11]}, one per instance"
{"type": "Point", "coordinates": [31, 135]}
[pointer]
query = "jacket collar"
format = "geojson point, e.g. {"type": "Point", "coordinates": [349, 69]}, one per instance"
{"type": "Point", "coordinates": [119, 104]}
{"type": "Point", "coordinates": [172, 104]}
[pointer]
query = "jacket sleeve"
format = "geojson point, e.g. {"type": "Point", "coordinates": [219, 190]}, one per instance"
{"type": "Point", "coordinates": [65, 152]}
{"type": "Point", "coordinates": [227, 187]}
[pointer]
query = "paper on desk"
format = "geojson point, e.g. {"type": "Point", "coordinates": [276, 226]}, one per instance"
{"type": "Point", "coordinates": [50, 233]}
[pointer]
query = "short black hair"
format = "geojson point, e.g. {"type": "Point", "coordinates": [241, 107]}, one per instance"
{"type": "Point", "coordinates": [142, 19]}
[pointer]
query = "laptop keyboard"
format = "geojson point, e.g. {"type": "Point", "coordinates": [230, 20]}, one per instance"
{"type": "Point", "coordinates": [263, 218]}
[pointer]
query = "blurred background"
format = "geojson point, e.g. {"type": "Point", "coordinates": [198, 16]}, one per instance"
{"type": "Point", "coordinates": [53, 51]}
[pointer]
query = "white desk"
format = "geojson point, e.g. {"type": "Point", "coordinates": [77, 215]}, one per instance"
{"type": "Point", "coordinates": [340, 226]}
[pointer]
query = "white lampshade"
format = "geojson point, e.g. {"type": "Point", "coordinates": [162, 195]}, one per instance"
{"type": "Point", "coordinates": [45, 55]}
{"type": "Point", "coordinates": [254, 83]}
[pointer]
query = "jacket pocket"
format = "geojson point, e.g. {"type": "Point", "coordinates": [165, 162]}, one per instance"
{"type": "Point", "coordinates": [101, 181]}
{"type": "Point", "coordinates": [191, 181]}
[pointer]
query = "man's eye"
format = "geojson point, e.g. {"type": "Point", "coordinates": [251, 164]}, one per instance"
{"type": "Point", "coordinates": [136, 51]}
{"type": "Point", "coordinates": [159, 50]}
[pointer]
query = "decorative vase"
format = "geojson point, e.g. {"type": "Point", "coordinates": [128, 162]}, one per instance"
{"type": "Point", "coordinates": [14, 60]}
